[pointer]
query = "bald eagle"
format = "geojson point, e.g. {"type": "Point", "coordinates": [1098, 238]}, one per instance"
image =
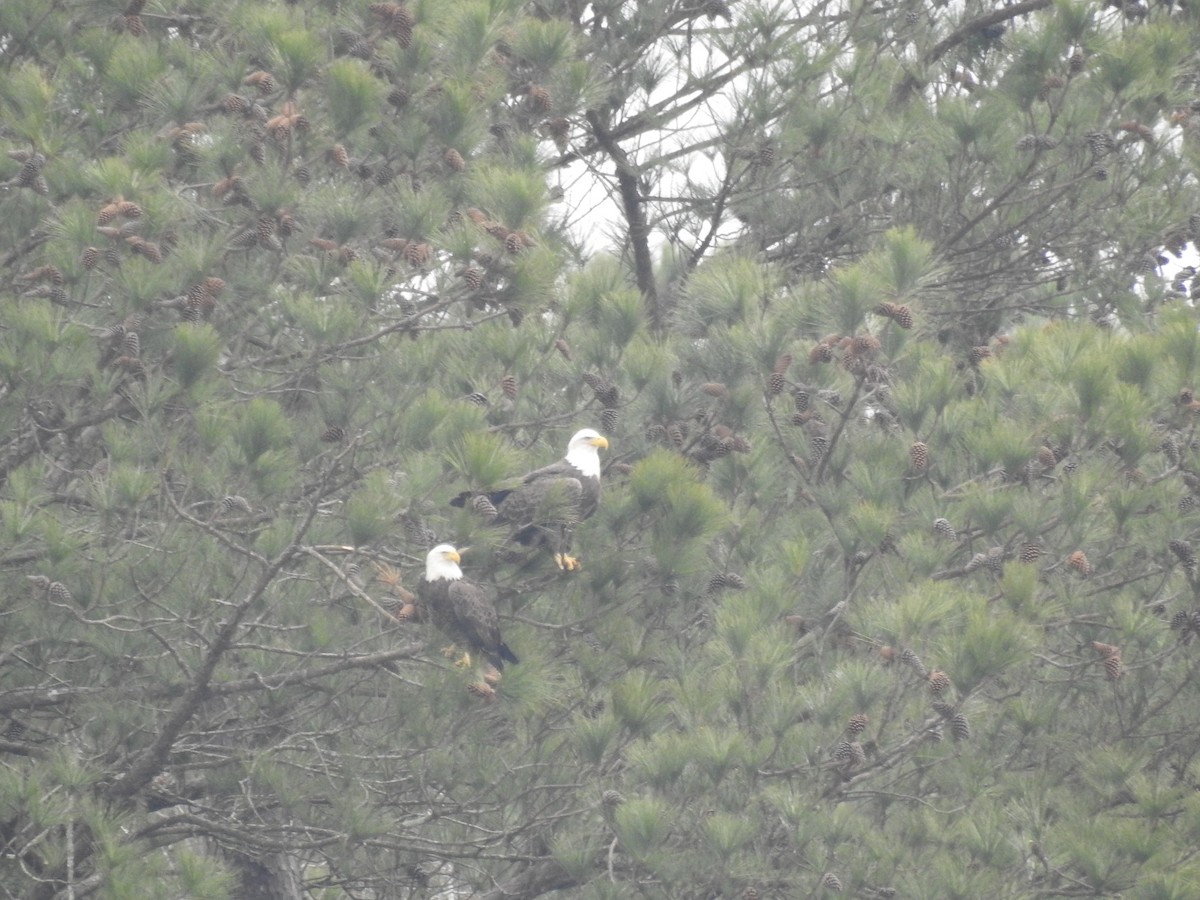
{"type": "Point", "coordinates": [545, 508]}
{"type": "Point", "coordinates": [460, 609]}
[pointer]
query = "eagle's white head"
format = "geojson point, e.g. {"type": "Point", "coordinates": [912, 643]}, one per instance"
{"type": "Point", "coordinates": [583, 452]}
{"type": "Point", "coordinates": [442, 562]}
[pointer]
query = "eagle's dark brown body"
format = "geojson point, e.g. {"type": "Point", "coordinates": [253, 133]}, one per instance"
{"type": "Point", "coordinates": [545, 508]}
{"type": "Point", "coordinates": [460, 609]}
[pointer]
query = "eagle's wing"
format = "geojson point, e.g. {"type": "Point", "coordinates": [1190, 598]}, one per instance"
{"type": "Point", "coordinates": [550, 499]}
{"type": "Point", "coordinates": [588, 498]}
{"type": "Point", "coordinates": [474, 616]}
{"type": "Point", "coordinates": [501, 496]}
{"type": "Point", "coordinates": [560, 469]}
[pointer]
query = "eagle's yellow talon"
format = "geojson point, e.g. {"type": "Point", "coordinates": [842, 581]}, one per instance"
{"type": "Point", "coordinates": [462, 662]}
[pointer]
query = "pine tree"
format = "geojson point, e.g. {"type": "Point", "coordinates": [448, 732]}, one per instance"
{"type": "Point", "coordinates": [280, 281]}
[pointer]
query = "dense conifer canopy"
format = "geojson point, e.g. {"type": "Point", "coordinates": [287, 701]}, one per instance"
{"type": "Point", "coordinates": [887, 312]}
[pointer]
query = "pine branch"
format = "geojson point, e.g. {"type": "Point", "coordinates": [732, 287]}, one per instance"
{"type": "Point", "coordinates": [994, 17]}
{"type": "Point", "coordinates": [846, 417]}
{"type": "Point", "coordinates": [635, 218]}
{"type": "Point", "coordinates": [151, 761]}
{"type": "Point", "coordinates": [540, 878]}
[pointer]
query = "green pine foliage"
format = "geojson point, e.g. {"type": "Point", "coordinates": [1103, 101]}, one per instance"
{"type": "Point", "coordinates": [892, 587]}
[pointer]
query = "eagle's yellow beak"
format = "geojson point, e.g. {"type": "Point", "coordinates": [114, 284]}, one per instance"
{"type": "Point", "coordinates": [454, 554]}
{"type": "Point", "coordinates": [599, 441]}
